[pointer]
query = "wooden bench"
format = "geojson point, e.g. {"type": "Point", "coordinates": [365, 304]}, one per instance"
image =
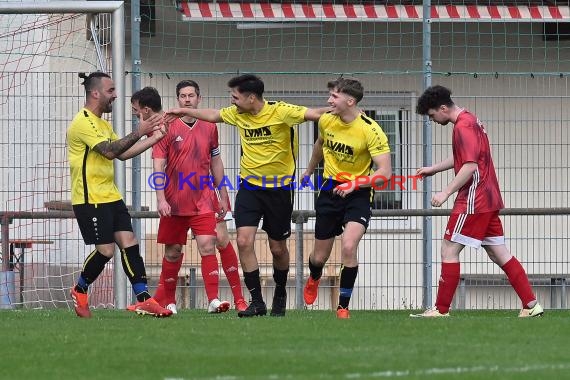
{"type": "Point", "coordinates": [190, 277]}
{"type": "Point", "coordinates": [555, 281]}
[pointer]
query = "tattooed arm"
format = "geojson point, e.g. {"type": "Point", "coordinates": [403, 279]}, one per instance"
{"type": "Point", "coordinates": [115, 149]}
{"type": "Point", "coordinates": [142, 145]}
{"type": "Point", "coordinates": [112, 150]}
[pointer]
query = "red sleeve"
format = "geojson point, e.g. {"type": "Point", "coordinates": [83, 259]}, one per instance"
{"type": "Point", "coordinates": [466, 141]}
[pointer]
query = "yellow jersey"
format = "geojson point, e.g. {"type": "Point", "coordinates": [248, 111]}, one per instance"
{"type": "Point", "coordinates": [348, 148]}
{"type": "Point", "coordinates": [268, 142]}
{"type": "Point", "coordinates": [92, 175]}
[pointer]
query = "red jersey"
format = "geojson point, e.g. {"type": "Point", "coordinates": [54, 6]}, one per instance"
{"type": "Point", "coordinates": [471, 144]}
{"type": "Point", "coordinates": [188, 152]}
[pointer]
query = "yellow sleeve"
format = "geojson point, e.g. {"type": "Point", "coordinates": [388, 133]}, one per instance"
{"type": "Point", "coordinates": [377, 140]}
{"type": "Point", "coordinates": [291, 114]}
{"type": "Point", "coordinates": [229, 115]}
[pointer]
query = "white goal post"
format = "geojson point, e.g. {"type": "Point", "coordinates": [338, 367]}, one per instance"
{"type": "Point", "coordinates": [116, 9]}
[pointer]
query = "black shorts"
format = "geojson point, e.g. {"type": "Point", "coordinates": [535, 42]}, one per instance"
{"type": "Point", "coordinates": [333, 211]}
{"type": "Point", "coordinates": [98, 223]}
{"type": "Point", "coordinates": [274, 205]}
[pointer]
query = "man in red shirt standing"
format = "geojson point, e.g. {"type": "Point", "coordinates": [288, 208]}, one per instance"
{"type": "Point", "coordinates": [474, 220]}
{"type": "Point", "coordinates": [189, 158]}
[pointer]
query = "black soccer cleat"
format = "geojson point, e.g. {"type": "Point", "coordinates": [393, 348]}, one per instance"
{"type": "Point", "coordinates": [255, 308]}
{"type": "Point", "coordinates": [279, 305]}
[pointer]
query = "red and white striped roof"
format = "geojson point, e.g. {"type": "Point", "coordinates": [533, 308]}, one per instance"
{"type": "Point", "coordinates": [204, 11]}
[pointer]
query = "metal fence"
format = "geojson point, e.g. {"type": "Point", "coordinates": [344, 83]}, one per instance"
{"type": "Point", "coordinates": [390, 275]}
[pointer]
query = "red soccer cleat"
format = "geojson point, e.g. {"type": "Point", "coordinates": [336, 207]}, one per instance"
{"type": "Point", "coordinates": [311, 290]}
{"type": "Point", "coordinates": [217, 306]}
{"type": "Point", "coordinates": [342, 313]}
{"type": "Point", "coordinates": [241, 305]}
{"type": "Point", "coordinates": [150, 307]}
{"type": "Point", "coordinates": [81, 304]}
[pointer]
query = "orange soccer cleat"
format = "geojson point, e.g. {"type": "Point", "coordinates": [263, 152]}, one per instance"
{"type": "Point", "coordinates": [81, 304]}
{"type": "Point", "coordinates": [342, 313]}
{"type": "Point", "coordinates": [241, 305]}
{"type": "Point", "coordinates": [150, 307]}
{"type": "Point", "coordinates": [311, 290]}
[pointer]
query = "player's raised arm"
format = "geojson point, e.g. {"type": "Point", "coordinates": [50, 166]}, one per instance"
{"type": "Point", "coordinates": [211, 115]}
{"type": "Point", "coordinates": [313, 114]}
{"type": "Point", "coordinates": [117, 148]}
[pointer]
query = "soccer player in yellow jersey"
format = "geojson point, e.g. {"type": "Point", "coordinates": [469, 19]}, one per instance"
{"type": "Point", "coordinates": [267, 169]}
{"type": "Point", "coordinates": [98, 206]}
{"type": "Point", "coordinates": [350, 143]}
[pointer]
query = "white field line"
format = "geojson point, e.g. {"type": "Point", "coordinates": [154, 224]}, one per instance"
{"type": "Point", "coordinates": [458, 370]}
{"type": "Point", "coordinates": [405, 373]}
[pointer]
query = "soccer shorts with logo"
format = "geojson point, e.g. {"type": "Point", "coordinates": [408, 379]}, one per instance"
{"type": "Point", "coordinates": [98, 223]}
{"type": "Point", "coordinates": [475, 230]}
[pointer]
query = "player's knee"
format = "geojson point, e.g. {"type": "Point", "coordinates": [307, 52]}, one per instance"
{"type": "Point", "coordinates": [500, 255]}
{"type": "Point", "coordinates": [279, 249]}
{"type": "Point", "coordinates": [207, 250]}
{"type": "Point", "coordinates": [126, 239]}
{"type": "Point", "coordinates": [173, 252]}
{"type": "Point", "coordinates": [222, 241]}
{"type": "Point", "coordinates": [244, 242]}
{"type": "Point", "coordinates": [318, 260]}
{"type": "Point", "coordinates": [107, 250]}
{"type": "Point", "coordinates": [450, 251]}
{"type": "Point", "coordinates": [349, 248]}
{"type": "Point", "coordinates": [206, 245]}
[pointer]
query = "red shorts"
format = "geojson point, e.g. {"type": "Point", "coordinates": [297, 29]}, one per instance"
{"type": "Point", "coordinates": [174, 229]}
{"type": "Point", "coordinates": [475, 230]}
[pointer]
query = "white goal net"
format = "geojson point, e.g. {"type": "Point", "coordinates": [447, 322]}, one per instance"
{"type": "Point", "coordinates": [41, 53]}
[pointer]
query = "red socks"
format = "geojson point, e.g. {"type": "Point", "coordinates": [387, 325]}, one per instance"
{"type": "Point", "coordinates": [210, 275]}
{"type": "Point", "coordinates": [230, 265]}
{"type": "Point", "coordinates": [448, 282]}
{"type": "Point", "coordinates": [519, 280]}
{"type": "Point", "coordinates": [166, 290]}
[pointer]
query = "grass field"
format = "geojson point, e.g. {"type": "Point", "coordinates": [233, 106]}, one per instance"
{"type": "Point", "coordinates": [54, 344]}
